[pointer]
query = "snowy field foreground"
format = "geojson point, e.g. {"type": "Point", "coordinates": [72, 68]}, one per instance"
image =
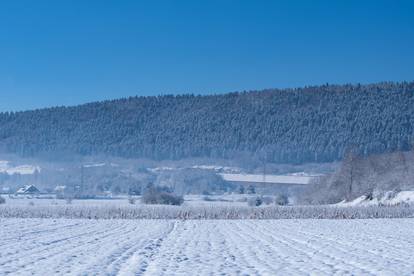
{"type": "Point", "coordinates": [205, 247]}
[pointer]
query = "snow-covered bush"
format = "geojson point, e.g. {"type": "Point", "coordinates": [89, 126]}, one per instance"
{"type": "Point", "coordinates": [158, 195]}
{"type": "Point", "coordinates": [281, 200]}
{"type": "Point", "coordinates": [251, 189]}
{"type": "Point", "coordinates": [2, 200]}
{"type": "Point", "coordinates": [255, 201]}
{"type": "Point", "coordinates": [207, 198]}
{"type": "Point", "coordinates": [131, 200]}
{"type": "Point", "coordinates": [243, 199]}
{"type": "Point", "coordinates": [384, 195]}
{"type": "Point", "coordinates": [267, 200]}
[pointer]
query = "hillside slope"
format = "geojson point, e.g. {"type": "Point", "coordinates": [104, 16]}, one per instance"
{"type": "Point", "coordinates": [378, 178]}
{"type": "Point", "coordinates": [313, 124]}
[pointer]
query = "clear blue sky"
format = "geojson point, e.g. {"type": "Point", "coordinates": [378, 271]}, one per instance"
{"type": "Point", "coordinates": [70, 52]}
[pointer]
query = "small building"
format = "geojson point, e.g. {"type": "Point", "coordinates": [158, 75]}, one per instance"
{"type": "Point", "coordinates": [28, 190]}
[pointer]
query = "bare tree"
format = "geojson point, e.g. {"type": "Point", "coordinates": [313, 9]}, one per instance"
{"type": "Point", "coordinates": [349, 172]}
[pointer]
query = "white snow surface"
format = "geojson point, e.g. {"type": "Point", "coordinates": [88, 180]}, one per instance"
{"type": "Point", "coordinates": [275, 179]}
{"type": "Point", "coordinates": [387, 198]}
{"type": "Point", "coordinates": [206, 247]}
{"type": "Point", "coordinates": [94, 165]}
{"type": "Point", "coordinates": [218, 168]}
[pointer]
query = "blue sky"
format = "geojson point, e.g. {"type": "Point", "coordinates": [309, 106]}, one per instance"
{"type": "Point", "coordinates": [71, 52]}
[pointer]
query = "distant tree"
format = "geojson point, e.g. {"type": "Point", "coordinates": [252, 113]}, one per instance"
{"type": "Point", "coordinates": [117, 189]}
{"type": "Point", "coordinates": [131, 200]}
{"type": "Point", "coordinates": [160, 195]}
{"type": "Point", "coordinates": [281, 199]}
{"type": "Point", "coordinates": [350, 172]}
{"type": "Point", "coordinates": [135, 189]}
{"type": "Point", "coordinates": [255, 201]}
{"type": "Point", "coordinates": [251, 189]}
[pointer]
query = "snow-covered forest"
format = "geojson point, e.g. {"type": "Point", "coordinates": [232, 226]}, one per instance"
{"type": "Point", "coordinates": [311, 124]}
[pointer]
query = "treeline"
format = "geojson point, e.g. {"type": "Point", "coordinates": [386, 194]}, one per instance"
{"type": "Point", "coordinates": [311, 124]}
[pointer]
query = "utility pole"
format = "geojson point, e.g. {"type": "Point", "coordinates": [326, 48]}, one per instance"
{"type": "Point", "coordinates": [82, 181]}
{"type": "Point", "coordinates": [264, 155]}
{"type": "Point", "coordinates": [264, 168]}
{"type": "Point", "coordinates": [78, 188]}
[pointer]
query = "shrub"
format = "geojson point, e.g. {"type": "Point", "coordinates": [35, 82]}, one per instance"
{"type": "Point", "coordinates": [158, 195]}
{"type": "Point", "coordinates": [2, 200]}
{"type": "Point", "coordinates": [281, 200]}
{"type": "Point", "coordinates": [251, 189]}
{"type": "Point", "coordinates": [206, 198]}
{"type": "Point", "coordinates": [131, 200]}
{"type": "Point", "coordinates": [255, 201]}
{"type": "Point", "coordinates": [68, 200]}
{"type": "Point", "coordinates": [267, 200]}
{"type": "Point", "coordinates": [243, 199]}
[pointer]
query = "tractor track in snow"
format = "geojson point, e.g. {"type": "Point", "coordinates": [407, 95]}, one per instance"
{"type": "Point", "coordinates": [206, 247]}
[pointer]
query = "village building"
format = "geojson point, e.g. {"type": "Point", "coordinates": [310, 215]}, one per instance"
{"type": "Point", "coordinates": [28, 190]}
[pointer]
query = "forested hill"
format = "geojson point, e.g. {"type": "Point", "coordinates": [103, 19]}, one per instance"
{"type": "Point", "coordinates": [293, 126]}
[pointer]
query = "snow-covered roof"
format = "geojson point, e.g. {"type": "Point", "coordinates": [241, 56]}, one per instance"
{"type": "Point", "coordinates": [28, 189]}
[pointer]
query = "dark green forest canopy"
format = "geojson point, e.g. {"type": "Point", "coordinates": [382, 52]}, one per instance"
{"type": "Point", "coordinates": [311, 124]}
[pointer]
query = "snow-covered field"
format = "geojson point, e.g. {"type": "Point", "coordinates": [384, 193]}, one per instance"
{"type": "Point", "coordinates": [206, 247]}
